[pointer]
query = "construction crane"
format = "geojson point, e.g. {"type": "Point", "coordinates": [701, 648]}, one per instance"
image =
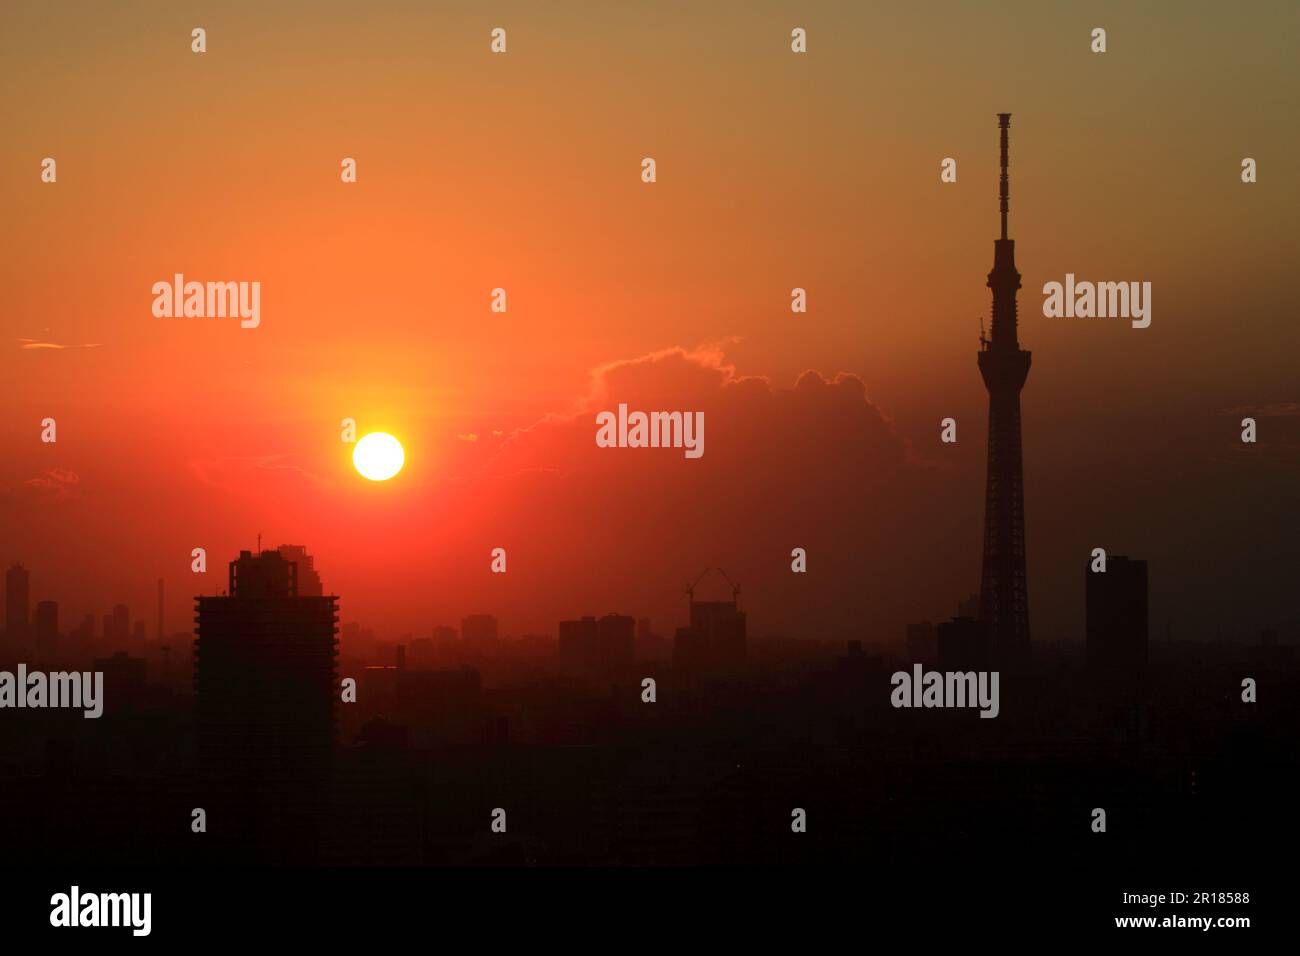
{"type": "Point", "coordinates": [690, 588]}
{"type": "Point", "coordinates": [735, 588]}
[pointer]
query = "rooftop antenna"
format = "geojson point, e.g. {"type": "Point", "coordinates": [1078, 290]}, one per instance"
{"type": "Point", "coordinates": [1004, 123]}
{"type": "Point", "coordinates": [984, 342]}
{"type": "Point", "coordinates": [259, 534]}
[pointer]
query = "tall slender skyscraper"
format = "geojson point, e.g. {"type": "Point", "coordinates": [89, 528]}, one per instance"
{"type": "Point", "coordinates": [1004, 365]}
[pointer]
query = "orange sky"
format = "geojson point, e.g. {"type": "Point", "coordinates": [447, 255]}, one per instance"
{"type": "Point", "coordinates": [522, 171]}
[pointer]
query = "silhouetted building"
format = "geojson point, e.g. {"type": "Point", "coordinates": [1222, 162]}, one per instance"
{"type": "Point", "coordinates": [616, 642]}
{"type": "Point", "coordinates": [378, 685]}
{"type": "Point", "coordinates": [441, 707]}
{"type": "Point", "coordinates": [649, 645]}
{"type": "Point", "coordinates": [715, 640]}
{"type": "Point", "coordinates": [851, 679]}
{"type": "Point", "coordinates": [17, 585]}
{"type": "Point", "coordinates": [309, 583]}
{"type": "Point", "coordinates": [1269, 652]}
{"type": "Point", "coordinates": [578, 644]}
{"type": "Point", "coordinates": [161, 631]}
{"type": "Point", "coordinates": [379, 734]}
{"type": "Point", "coordinates": [124, 681]}
{"type": "Point", "coordinates": [421, 653]}
{"type": "Point", "coordinates": [1116, 625]}
{"type": "Point", "coordinates": [117, 626]}
{"type": "Point", "coordinates": [922, 643]}
{"type": "Point", "coordinates": [604, 647]}
{"type": "Point", "coordinates": [1004, 589]}
{"type": "Point", "coordinates": [264, 673]}
{"type": "Point", "coordinates": [477, 630]}
{"type": "Point", "coordinates": [964, 645]}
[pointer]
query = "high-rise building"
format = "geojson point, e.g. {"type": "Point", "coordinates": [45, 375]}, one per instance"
{"type": "Point", "coordinates": [1117, 624]}
{"type": "Point", "coordinates": [265, 677]}
{"type": "Point", "coordinates": [963, 645]}
{"type": "Point", "coordinates": [17, 584]}
{"type": "Point", "coordinates": [922, 643]}
{"type": "Point", "coordinates": [117, 626]}
{"type": "Point", "coordinates": [421, 653]}
{"type": "Point", "coordinates": [577, 644]}
{"type": "Point", "coordinates": [124, 681]}
{"type": "Point", "coordinates": [477, 630]}
{"type": "Point", "coordinates": [716, 638]}
{"type": "Point", "coordinates": [309, 583]}
{"type": "Point", "coordinates": [1004, 366]}
{"type": "Point", "coordinates": [604, 647]}
{"type": "Point", "coordinates": [649, 645]}
{"type": "Point", "coordinates": [615, 643]}
{"type": "Point", "coordinates": [81, 639]}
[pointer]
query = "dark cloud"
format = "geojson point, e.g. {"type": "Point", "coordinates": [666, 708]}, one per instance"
{"type": "Point", "coordinates": [815, 465]}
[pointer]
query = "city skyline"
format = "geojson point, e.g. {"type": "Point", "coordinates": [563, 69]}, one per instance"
{"type": "Point", "coordinates": [515, 459]}
{"type": "Point", "coordinates": [183, 433]}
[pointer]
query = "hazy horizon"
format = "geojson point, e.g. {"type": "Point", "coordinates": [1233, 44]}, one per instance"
{"type": "Point", "coordinates": [523, 172]}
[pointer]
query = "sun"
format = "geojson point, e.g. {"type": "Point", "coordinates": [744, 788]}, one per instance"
{"type": "Point", "coordinates": [378, 456]}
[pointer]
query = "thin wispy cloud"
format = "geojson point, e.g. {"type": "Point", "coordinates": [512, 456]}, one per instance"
{"type": "Point", "coordinates": [1268, 410]}
{"type": "Point", "coordinates": [34, 344]}
{"type": "Point", "coordinates": [230, 473]}
{"type": "Point", "coordinates": [55, 485]}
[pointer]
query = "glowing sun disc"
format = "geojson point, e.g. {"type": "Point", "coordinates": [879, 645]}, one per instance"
{"type": "Point", "coordinates": [378, 456]}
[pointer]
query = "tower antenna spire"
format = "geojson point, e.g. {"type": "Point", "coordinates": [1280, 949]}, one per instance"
{"type": "Point", "coordinates": [1004, 192]}
{"type": "Point", "coordinates": [1004, 366]}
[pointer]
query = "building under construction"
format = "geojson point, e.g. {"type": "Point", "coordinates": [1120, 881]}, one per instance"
{"type": "Point", "coordinates": [715, 641]}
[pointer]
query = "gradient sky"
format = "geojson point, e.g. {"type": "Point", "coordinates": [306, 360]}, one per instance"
{"type": "Point", "coordinates": [522, 171]}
